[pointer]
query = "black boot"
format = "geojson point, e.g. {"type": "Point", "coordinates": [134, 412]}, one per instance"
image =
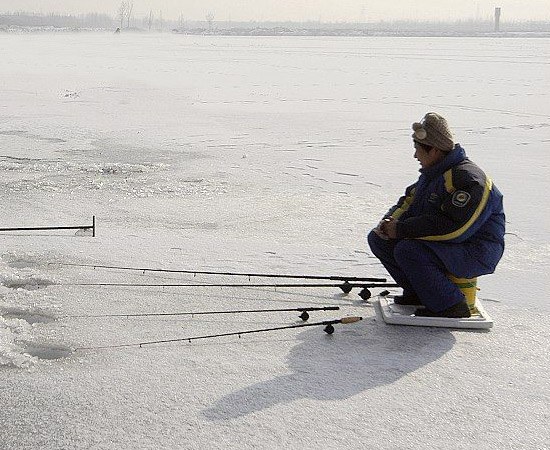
{"type": "Point", "coordinates": [407, 300]}
{"type": "Point", "coordinates": [460, 310]}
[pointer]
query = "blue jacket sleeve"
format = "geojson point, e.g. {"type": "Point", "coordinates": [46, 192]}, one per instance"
{"type": "Point", "coordinates": [403, 203]}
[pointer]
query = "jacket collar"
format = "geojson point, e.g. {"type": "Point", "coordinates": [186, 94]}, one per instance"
{"type": "Point", "coordinates": [456, 155]}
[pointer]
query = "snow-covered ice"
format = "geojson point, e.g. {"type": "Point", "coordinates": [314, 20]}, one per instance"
{"type": "Point", "coordinates": [269, 155]}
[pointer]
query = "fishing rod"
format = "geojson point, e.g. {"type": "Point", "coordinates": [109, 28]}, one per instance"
{"type": "Point", "coordinates": [328, 324]}
{"type": "Point", "coordinates": [83, 227]}
{"type": "Point", "coordinates": [304, 316]}
{"type": "Point", "coordinates": [241, 274]}
{"type": "Point", "coordinates": [346, 287]}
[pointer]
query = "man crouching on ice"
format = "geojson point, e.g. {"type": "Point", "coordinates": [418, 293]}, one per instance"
{"type": "Point", "coordinates": [448, 225]}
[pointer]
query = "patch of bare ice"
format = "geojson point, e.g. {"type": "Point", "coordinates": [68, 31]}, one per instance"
{"type": "Point", "coordinates": [132, 180]}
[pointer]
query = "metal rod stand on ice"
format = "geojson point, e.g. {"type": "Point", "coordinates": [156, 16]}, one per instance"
{"type": "Point", "coordinates": [346, 287]}
{"type": "Point", "coordinates": [83, 227]}
{"type": "Point", "coordinates": [304, 316]}
{"type": "Point", "coordinates": [328, 324]}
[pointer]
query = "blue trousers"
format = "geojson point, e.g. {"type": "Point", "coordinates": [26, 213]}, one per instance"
{"type": "Point", "coordinates": [418, 270]}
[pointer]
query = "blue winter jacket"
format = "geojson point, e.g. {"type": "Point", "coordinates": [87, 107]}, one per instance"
{"type": "Point", "coordinates": [457, 211]}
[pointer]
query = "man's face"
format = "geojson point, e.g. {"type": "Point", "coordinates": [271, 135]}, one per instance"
{"type": "Point", "coordinates": [426, 158]}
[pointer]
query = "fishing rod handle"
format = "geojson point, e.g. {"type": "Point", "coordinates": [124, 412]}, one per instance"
{"type": "Point", "coordinates": [351, 319]}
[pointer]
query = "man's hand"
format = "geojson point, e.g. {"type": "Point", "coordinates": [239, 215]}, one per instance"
{"type": "Point", "coordinates": [387, 228]}
{"type": "Point", "coordinates": [381, 234]}
{"type": "Point", "coordinates": [379, 230]}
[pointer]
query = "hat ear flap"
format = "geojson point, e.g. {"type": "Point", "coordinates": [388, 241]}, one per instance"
{"type": "Point", "coordinates": [419, 131]}
{"type": "Point", "coordinates": [420, 134]}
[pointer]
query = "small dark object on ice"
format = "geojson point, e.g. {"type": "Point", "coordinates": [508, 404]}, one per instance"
{"type": "Point", "coordinates": [365, 294]}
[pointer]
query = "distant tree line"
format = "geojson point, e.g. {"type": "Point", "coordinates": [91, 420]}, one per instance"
{"type": "Point", "coordinates": [124, 18]}
{"type": "Point", "coordinates": [125, 11]}
{"type": "Point", "coordinates": [154, 21]}
{"type": "Point", "coordinates": [25, 19]}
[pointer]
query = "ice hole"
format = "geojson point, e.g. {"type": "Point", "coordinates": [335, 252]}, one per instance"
{"type": "Point", "coordinates": [46, 352]}
{"type": "Point", "coordinates": [21, 264]}
{"type": "Point", "coordinates": [29, 285]}
{"type": "Point", "coordinates": [29, 317]}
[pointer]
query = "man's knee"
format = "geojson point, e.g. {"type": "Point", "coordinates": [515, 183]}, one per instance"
{"type": "Point", "coordinates": [378, 245]}
{"type": "Point", "coordinates": [374, 241]}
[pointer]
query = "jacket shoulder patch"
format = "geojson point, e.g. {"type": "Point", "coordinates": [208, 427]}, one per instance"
{"type": "Point", "coordinates": [460, 199]}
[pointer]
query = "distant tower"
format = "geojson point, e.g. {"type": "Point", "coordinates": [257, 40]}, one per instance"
{"type": "Point", "coordinates": [497, 20]}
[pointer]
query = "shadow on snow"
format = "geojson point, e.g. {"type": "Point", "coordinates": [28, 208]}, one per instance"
{"type": "Point", "coordinates": [339, 366]}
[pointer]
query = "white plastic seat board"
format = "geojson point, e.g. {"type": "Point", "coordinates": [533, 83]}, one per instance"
{"type": "Point", "coordinates": [394, 314]}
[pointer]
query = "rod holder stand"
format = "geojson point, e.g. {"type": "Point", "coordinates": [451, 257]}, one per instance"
{"type": "Point", "coordinates": [83, 227]}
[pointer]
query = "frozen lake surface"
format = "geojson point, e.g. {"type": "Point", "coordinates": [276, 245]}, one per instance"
{"type": "Point", "coordinates": [269, 155]}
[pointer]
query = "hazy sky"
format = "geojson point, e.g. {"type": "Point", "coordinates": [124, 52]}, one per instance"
{"type": "Point", "coordinates": [298, 10]}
